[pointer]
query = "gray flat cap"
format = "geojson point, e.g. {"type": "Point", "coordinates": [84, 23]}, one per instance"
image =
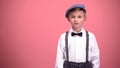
{"type": "Point", "coordinates": [75, 6]}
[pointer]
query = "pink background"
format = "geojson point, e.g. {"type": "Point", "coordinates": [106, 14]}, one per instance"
{"type": "Point", "coordinates": [29, 31]}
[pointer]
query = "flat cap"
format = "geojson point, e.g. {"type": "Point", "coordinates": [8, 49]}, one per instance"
{"type": "Point", "coordinates": [75, 6]}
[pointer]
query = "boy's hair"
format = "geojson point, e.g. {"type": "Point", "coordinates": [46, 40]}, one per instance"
{"type": "Point", "coordinates": [75, 7]}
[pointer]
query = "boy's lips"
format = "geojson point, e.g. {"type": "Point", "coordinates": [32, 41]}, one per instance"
{"type": "Point", "coordinates": [76, 23]}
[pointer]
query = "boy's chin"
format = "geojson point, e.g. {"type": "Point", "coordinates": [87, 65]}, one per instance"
{"type": "Point", "coordinates": [76, 27]}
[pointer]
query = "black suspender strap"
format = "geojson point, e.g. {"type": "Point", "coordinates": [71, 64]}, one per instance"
{"type": "Point", "coordinates": [66, 45]}
{"type": "Point", "coordinates": [87, 46]}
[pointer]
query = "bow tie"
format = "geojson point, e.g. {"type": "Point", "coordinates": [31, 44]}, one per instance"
{"type": "Point", "coordinates": [78, 34]}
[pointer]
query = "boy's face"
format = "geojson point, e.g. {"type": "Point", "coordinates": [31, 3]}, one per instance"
{"type": "Point", "coordinates": [77, 19]}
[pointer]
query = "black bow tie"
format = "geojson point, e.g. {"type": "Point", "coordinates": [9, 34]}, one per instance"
{"type": "Point", "coordinates": [79, 34]}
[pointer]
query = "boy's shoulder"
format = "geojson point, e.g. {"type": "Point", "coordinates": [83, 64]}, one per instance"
{"type": "Point", "coordinates": [91, 35]}
{"type": "Point", "coordinates": [63, 34]}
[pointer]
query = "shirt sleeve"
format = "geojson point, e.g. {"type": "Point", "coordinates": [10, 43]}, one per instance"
{"type": "Point", "coordinates": [60, 54]}
{"type": "Point", "coordinates": [94, 55]}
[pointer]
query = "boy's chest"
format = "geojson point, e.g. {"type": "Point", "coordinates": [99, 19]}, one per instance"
{"type": "Point", "coordinates": [77, 43]}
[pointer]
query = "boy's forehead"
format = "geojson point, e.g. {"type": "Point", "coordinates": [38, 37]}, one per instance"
{"type": "Point", "coordinates": [80, 12]}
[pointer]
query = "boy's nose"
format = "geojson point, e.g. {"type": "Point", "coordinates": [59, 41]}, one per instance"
{"type": "Point", "coordinates": [76, 19]}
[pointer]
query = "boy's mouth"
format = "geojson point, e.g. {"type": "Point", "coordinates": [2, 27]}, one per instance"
{"type": "Point", "coordinates": [76, 23]}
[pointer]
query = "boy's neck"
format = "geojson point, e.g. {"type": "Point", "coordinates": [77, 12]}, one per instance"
{"type": "Point", "coordinates": [77, 29]}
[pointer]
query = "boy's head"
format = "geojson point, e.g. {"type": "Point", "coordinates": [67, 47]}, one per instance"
{"type": "Point", "coordinates": [76, 15]}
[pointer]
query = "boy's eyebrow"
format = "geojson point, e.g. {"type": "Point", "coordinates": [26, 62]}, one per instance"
{"type": "Point", "coordinates": [74, 14]}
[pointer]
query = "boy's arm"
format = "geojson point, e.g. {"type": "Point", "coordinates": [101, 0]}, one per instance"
{"type": "Point", "coordinates": [95, 53]}
{"type": "Point", "coordinates": [60, 55]}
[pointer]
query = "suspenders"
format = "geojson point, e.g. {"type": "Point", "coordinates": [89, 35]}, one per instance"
{"type": "Point", "coordinates": [87, 46]}
{"type": "Point", "coordinates": [66, 45]}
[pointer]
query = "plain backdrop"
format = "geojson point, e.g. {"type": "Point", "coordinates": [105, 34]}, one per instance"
{"type": "Point", "coordinates": [30, 29]}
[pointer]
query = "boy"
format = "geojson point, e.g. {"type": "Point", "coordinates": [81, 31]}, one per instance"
{"type": "Point", "coordinates": [76, 42]}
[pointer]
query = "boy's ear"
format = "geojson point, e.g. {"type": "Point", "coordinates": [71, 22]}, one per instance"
{"type": "Point", "coordinates": [85, 18]}
{"type": "Point", "coordinates": [68, 19]}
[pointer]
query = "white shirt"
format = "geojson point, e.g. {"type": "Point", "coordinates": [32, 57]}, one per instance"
{"type": "Point", "coordinates": [77, 49]}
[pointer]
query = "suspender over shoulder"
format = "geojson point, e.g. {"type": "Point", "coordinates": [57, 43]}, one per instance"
{"type": "Point", "coordinates": [66, 45]}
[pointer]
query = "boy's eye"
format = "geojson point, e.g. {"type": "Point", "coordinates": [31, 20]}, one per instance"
{"type": "Point", "coordinates": [72, 16]}
{"type": "Point", "coordinates": [79, 16]}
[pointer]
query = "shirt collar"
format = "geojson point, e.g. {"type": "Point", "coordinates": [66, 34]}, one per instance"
{"type": "Point", "coordinates": [82, 30]}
